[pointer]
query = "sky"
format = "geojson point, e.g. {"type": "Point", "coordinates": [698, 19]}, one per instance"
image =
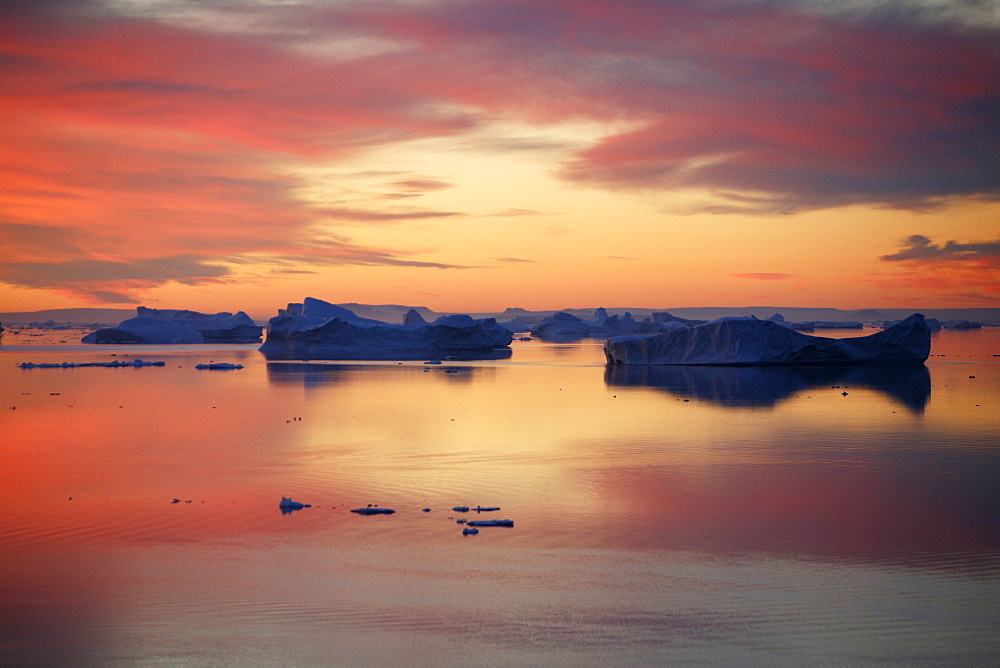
{"type": "Point", "coordinates": [473, 155]}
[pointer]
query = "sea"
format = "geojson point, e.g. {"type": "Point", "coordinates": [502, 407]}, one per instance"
{"type": "Point", "coordinates": [660, 516]}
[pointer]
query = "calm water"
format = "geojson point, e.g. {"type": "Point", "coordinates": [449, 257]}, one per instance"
{"type": "Point", "coordinates": [671, 516]}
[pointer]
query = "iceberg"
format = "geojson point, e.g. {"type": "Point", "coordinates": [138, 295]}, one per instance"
{"type": "Point", "coordinates": [146, 330]}
{"type": "Point", "coordinates": [317, 330]}
{"type": "Point", "coordinates": [157, 326]}
{"type": "Point", "coordinates": [748, 341]}
{"type": "Point", "coordinates": [220, 327]}
{"type": "Point", "coordinates": [218, 365]}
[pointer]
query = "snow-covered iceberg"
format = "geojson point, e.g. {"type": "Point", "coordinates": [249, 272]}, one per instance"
{"type": "Point", "coordinates": [317, 330]}
{"type": "Point", "coordinates": [146, 330]}
{"type": "Point", "coordinates": [223, 327]}
{"type": "Point", "coordinates": [746, 341]}
{"type": "Point", "coordinates": [179, 326]}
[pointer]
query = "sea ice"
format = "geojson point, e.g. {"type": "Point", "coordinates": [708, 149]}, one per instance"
{"type": "Point", "coordinates": [72, 365]}
{"type": "Point", "coordinates": [491, 523]}
{"type": "Point", "coordinates": [218, 365]}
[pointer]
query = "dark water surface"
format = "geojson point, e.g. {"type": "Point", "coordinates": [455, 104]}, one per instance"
{"type": "Point", "coordinates": [661, 516]}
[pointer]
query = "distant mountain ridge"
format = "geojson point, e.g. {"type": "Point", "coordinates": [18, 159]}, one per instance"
{"type": "Point", "coordinates": [394, 313]}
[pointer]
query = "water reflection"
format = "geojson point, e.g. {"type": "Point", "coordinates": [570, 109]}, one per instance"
{"type": "Point", "coordinates": [758, 386]}
{"type": "Point", "coordinates": [311, 374]}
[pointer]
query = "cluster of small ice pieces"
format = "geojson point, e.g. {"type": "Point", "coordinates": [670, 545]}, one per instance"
{"type": "Point", "coordinates": [287, 505]}
{"type": "Point", "coordinates": [72, 365]}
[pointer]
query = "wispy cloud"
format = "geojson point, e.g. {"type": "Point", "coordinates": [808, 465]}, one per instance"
{"type": "Point", "coordinates": [920, 248]}
{"type": "Point", "coordinates": [764, 276]}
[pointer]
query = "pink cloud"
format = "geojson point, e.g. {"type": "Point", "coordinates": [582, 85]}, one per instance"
{"type": "Point", "coordinates": [764, 276]}
{"type": "Point", "coordinates": [164, 145]}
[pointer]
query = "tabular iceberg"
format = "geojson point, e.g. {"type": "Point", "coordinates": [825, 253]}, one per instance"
{"type": "Point", "coordinates": [739, 341]}
{"type": "Point", "coordinates": [317, 330]}
{"type": "Point", "coordinates": [179, 326]}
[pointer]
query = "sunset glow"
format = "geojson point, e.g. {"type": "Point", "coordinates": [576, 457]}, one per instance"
{"type": "Point", "coordinates": [472, 155]}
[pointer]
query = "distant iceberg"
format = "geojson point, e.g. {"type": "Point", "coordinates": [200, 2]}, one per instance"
{"type": "Point", "coordinates": [565, 327]}
{"type": "Point", "coordinates": [318, 330]}
{"type": "Point", "coordinates": [157, 326]}
{"type": "Point", "coordinates": [748, 341]}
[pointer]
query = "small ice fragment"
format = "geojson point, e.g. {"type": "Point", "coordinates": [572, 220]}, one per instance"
{"type": "Point", "coordinates": [176, 501]}
{"type": "Point", "coordinates": [288, 504]}
{"type": "Point", "coordinates": [461, 509]}
{"type": "Point", "coordinates": [467, 531]}
{"type": "Point", "coordinates": [485, 509]}
{"type": "Point", "coordinates": [373, 510]}
{"type": "Point", "coordinates": [427, 510]}
{"type": "Point", "coordinates": [432, 362]}
{"type": "Point", "coordinates": [491, 523]}
{"type": "Point", "coordinates": [461, 521]}
{"type": "Point", "coordinates": [218, 365]}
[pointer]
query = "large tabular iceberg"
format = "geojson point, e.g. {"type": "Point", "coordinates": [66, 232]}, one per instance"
{"type": "Point", "coordinates": [179, 326]}
{"type": "Point", "coordinates": [742, 341]}
{"type": "Point", "coordinates": [317, 330]}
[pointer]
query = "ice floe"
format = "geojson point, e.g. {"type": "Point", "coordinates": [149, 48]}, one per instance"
{"type": "Point", "coordinates": [72, 365]}
{"type": "Point", "coordinates": [373, 510]}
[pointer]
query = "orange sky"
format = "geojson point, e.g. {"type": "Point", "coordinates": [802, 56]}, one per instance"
{"type": "Point", "coordinates": [472, 155]}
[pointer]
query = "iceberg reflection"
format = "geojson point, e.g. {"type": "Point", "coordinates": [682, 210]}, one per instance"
{"type": "Point", "coordinates": [769, 385]}
{"type": "Point", "coordinates": [310, 374]}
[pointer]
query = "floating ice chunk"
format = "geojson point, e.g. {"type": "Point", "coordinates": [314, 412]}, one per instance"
{"type": "Point", "coordinates": [469, 532]}
{"type": "Point", "coordinates": [491, 523]}
{"type": "Point", "coordinates": [218, 365]}
{"type": "Point", "coordinates": [461, 509]}
{"type": "Point", "coordinates": [484, 509]}
{"type": "Point", "coordinates": [373, 510]}
{"type": "Point", "coordinates": [287, 504]}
